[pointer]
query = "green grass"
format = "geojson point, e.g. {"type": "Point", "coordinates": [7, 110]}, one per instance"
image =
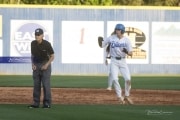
{"type": "Point", "coordinates": [90, 112]}
{"type": "Point", "coordinates": [150, 82]}
{"type": "Point", "coordinates": [138, 82]}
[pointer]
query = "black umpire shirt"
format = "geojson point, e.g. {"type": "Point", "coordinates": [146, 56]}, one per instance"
{"type": "Point", "coordinates": [41, 52]}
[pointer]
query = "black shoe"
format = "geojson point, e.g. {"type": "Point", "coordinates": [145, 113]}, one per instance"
{"type": "Point", "coordinates": [33, 106]}
{"type": "Point", "coordinates": [46, 106]}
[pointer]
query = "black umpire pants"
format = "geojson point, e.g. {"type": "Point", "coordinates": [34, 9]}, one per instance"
{"type": "Point", "coordinates": [42, 77]}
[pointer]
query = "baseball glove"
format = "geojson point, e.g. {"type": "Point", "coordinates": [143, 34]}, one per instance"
{"type": "Point", "coordinates": [100, 39]}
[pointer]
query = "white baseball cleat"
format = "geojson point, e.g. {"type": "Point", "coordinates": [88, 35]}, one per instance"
{"type": "Point", "coordinates": [109, 88]}
{"type": "Point", "coordinates": [121, 100]}
{"type": "Point", "coordinates": [128, 100]}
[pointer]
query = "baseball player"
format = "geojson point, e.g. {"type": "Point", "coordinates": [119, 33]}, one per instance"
{"type": "Point", "coordinates": [120, 46]}
{"type": "Point", "coordinates": [42, 56]}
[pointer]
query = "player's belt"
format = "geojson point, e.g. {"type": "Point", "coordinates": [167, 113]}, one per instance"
{"type": "Point", "coordinates": [119, 58]}
{"type": "Point", "coordinates": [108, 57]}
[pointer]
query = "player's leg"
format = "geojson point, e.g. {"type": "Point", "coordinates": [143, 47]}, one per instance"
{"type": "Point", "coordinates": [114, 72]}
{"type": "Point", "coordinates": [126, 75]}
{"type": "Point", "coordinates": [110, 81]}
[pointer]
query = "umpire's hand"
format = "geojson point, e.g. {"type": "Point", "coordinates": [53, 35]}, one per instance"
{"type": "Point", "coordinates": [33, 67]}
{"type": "Point", "coordinates": [45, 66]}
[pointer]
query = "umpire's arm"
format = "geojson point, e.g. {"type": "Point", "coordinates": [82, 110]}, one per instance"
{"type": "Point", "coordinates": [32, 61]}
{"type": "Point", "coordinates": [51, 58]}
{"type": "Point", "coordinates": [45, 66]}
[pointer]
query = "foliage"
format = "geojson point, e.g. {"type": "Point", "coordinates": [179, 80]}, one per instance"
{"type": "Point", "coordinates": [128, 2]}
{"type": "Point", "coordinates": [163, 2]}
{"type": "Point", "coordinates": [96, 2]}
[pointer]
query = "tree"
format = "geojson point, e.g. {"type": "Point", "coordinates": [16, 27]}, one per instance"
{"type": "Point", "coordinates": [128, 2]}
{"type": "Point", "coordinates": [96, 2]}
{"type": "Point", "coordinates": [171, 2]}
{"type": "Point", "coordinates": [162, 2]}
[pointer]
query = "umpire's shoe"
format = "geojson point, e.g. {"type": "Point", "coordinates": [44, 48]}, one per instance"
{"type": "Point", "coordinates": [46, 106]}
{"type": "Point", "coordinates": [128, 100]}
{"type": "Point", "coordinates": [33, 106]}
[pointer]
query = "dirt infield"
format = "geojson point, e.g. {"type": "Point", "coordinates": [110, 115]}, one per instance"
{"type": "Point", "coordinates": [22, 95]}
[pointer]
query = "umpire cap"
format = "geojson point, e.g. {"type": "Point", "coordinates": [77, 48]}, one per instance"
{"type": "Point", "coordinates": [38, 32]}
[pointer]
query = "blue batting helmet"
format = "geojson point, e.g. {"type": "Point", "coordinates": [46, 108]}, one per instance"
{"type": "Point", "coordinates": [120, 27]}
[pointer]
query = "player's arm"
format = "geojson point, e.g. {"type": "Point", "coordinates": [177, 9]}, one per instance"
{"type": "Point", "coordinates": [105, 42]}
{"type": "Point", "coordinates": [128, 50]}
{"type": "Point", "coordinates": [106, 62]}
{"type": "Point", "coordinates": [102, 42]}
{"type": "Point", "coordinates": [130, 53]}
{"type": "Point", "coordinates": [107, 55]}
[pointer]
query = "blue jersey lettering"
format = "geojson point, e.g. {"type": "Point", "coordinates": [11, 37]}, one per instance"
{"type": "Point", "coordinates": [116, 44]}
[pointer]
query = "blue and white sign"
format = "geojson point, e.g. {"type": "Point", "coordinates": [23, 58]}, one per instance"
{"type": "Point", "coordinates": [22, 33]}
{"type": "Point", "coordinates": [15, 59]}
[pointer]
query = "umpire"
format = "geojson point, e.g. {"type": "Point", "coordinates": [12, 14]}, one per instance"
{"type": "Point", "coordinates": [42, 54]}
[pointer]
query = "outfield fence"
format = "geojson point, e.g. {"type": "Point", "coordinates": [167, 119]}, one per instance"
{"type": "Point", "coordinates": [73, 31]}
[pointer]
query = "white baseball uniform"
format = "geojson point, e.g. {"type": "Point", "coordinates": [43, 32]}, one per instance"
{"type": "Point", "coordinates": [118, 61]}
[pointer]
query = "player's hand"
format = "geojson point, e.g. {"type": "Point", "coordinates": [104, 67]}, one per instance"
{"type": "Point", "coordinates": [125, 50]}
{"type": "Point", "coordinates": [33, 67]}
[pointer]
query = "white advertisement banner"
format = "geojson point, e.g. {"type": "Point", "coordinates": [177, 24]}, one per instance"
{"type": "Point", "coordinates": [165, 43]}
{"type": "Point", "coordinates": [22, 33]}
{"type": "Point", "coordinates": [1, 48]}
{"type": "Point", "coordinates": [1, 23]}
{"type": "Point", "coordinates": [1, 43]}
{"type": "Point", "coordinates": [79, 42]}
{"type": "Point", "coordinates": [138, 33]}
